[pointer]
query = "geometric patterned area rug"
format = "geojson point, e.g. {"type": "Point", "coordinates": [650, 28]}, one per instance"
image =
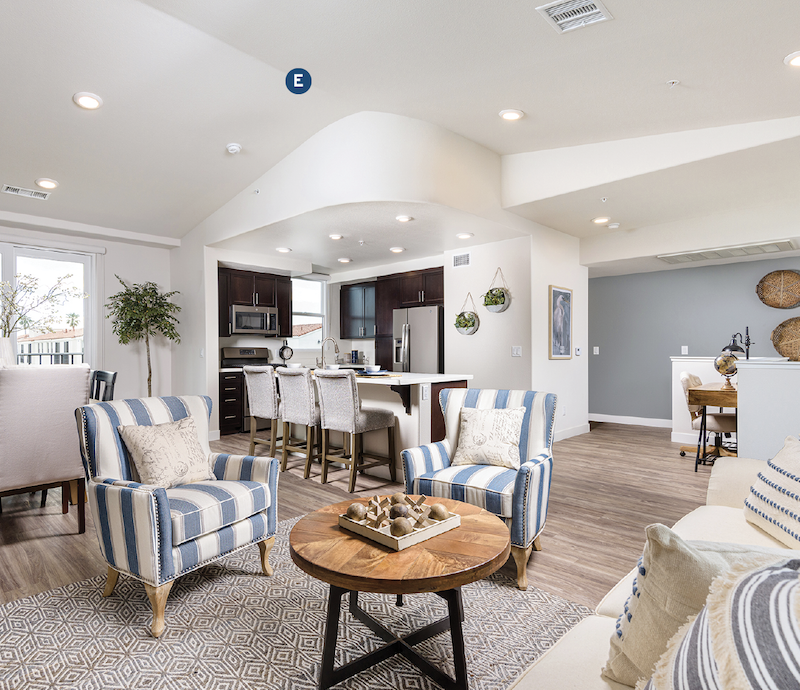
{"type": "Point", "coordinates": [231, 628]}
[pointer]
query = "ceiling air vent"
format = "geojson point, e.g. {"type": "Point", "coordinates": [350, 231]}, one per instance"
{"type": "Point", "coordinates": [21, 191]}
{"type": "Point", "coordinates": [728, 252]}
{"type": "Point", "coordinates": [462, 260]}
{"type": "Point", "coordinates": [567, 15]}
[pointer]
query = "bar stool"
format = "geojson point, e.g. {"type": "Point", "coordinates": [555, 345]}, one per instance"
{"type": "Point", "coordinates": [299, 407]}
{"type": "Point", "coordinates": [262, 398]}
{"type": "Point", "coordinates": [341, 410]}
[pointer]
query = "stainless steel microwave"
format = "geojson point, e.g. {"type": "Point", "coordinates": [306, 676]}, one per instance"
{"type": "Point", "coordinates": [254, 320]}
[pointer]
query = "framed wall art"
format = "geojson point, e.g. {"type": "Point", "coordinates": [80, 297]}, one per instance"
{"type": "Point", "coordinates": [560, 331]}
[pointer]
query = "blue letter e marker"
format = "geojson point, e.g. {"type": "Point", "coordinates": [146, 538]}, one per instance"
{"type": "Point", "coordinates": [298, 81]}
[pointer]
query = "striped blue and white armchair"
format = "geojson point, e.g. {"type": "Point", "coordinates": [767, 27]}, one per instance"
{"type": "Point", "coordinates": [156, 535]}
{"type": "Point", "coordinates": [519, 497]}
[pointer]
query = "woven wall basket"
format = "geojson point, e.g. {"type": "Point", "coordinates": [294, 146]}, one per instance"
{"type": "Point", "coordinates": [780, 289]}
{"type": "Point", "coordinates": [786, 339]}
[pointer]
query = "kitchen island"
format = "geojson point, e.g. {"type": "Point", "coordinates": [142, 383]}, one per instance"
{"type": "Point", "coordinates": [414, 399]}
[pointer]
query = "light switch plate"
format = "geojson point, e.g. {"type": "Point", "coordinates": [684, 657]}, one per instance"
{"type": "Point", "coordinates": [426, 391]}
{"type": "Point", "coordinates": [595, 350]}
{"type": "Point", "coordinates": [684, 349]}
{"type": "Point", "coordinates": [516, 350]}
{"type": "Point", "coordinates": [577, 352]}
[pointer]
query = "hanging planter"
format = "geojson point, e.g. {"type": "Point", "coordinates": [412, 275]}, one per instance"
{"type": "Point", "coordinates": [467, 322]}
{"type": "Point", "coordinates": [497, 299]}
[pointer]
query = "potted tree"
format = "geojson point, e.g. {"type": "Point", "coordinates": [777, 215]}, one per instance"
{"type": "Point", "coordinates": [140, 312]}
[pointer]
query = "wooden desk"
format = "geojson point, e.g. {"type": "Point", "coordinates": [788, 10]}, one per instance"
{"type": "Point", "coordinates": [710, 394]}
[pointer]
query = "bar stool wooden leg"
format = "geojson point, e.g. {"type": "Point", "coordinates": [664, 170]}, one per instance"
{"type": "Point", "coordinates": [392, 467]}
{"type": "Point", "coordinates": [325, 443]}
{"type": "Point", "coordinates": [287, 436]}
{"type": "Point", "coordinates": [309, 450]}
{"type": "Point", "coordinates": [253, 426]}
{"type": "Point", "coordinates": [273, 434]}
{"type": "Point", "coordinates": [355, 453]}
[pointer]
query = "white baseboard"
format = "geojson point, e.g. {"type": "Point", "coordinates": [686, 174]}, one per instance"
{"type": "Point", "coordinates": [561, 434]}
{"type": "Point", "coordinates": [213, 435]}
{"type": "Point", "coordinates": [635, 421]}
{"type": "Point", "coordinates": [684, 438]}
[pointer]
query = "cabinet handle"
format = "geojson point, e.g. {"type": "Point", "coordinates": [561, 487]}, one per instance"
{"type": "Point", "coordinates": [230, 416]}
{"type": "Point", "coordinates": [230, 399]}
{"type": "Point", "coordinates": [423, 296]}
{"type": "Point", "coordinates": [229, 389]}
{"type": "Point", "coordinates": [230, 328]}
{"type": "Point", "coordinates": [374, 329]}
{"type": "Point", "coordinates": [230, 378]}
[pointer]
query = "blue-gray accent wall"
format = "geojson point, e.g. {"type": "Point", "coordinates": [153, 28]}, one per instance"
{"type": "Point", "coordinates": [639, 321]}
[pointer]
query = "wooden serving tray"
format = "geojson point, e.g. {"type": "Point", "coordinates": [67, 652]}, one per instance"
{"type": "Point", "coordinates": [382, 535]}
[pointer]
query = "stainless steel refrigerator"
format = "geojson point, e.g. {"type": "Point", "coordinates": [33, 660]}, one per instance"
{"type": "Point", "coordinates": [419, 340]}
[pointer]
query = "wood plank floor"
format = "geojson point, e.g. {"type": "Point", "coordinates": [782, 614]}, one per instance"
{"type": "Point", "coordinates": [607, 486]}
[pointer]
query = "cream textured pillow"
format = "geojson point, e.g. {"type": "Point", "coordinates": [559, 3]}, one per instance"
{"type": "Point", "coordinates": [672, 585]}
{"type": "Point", "coordinates": [167, 454]}
{"type": "Point", "coordinates": [774, 500]}
{"type": "Point", "coordinates": [489, 437]}
{"type": "Point", "coordinates": [745, 636]}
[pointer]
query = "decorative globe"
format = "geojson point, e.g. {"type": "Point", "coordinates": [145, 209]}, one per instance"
{"type": "Point", "coordinates": [725, 364]}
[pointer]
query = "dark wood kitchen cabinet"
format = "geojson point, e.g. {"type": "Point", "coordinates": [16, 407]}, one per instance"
{"type": "Point", "coordinates": [357, 311]}
{"type": "Point", "coordinates": [231, 402]}
{"type": "Point", "coordinates": [250, 288]}
{"type": "Point", "coordinates": [419, 288]}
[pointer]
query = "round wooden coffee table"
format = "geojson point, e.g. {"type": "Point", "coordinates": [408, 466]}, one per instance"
{"type": "Point", "coordinates": [441, 564]}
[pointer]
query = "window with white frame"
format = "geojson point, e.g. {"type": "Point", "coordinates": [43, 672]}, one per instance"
{"type": "Point", "coordinates": [64, 333]}
{"type": "Point", "coordinates": [308, 314]}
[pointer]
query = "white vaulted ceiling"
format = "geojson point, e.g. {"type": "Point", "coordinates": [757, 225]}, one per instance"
{"type": "Point", "coordinates": [180, 79]}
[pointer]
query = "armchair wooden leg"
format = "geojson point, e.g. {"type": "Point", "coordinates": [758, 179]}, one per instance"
{"type": "Point", "coordinates": [521, 557]}
{"type": "Point", "coordinates": [537, 544]}
{"type": "Point", "coordinates": [265, 547]}
{"type": "Point", "coordinates": [158, 601]}
{"type": "Point", "coordinates": [111, 581]}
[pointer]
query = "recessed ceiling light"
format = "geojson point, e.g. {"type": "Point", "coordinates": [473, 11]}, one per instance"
{"type": "Point", "coordinates": [344, 260]}
{"type": "Point", "coordinates": [613, 226]}
{"type": "Point", "coordinates": [512, 114]}
{"type": "Point", "coordinates": [404, 219]}
{"type": "Point", "coordinates": [336, 237]}
{"type": "Point", "coordinates": [88, 101]}
{"type": "Point", "coordinates": [396, 250]}
{"type": "Point", "coordinates": [792, 59]}
{"type": "Point", "coordinates": [283, 250]}
{"type": "Point", "coordinates": [233, 148]}
{"type": "Point", "coordinates": [601, 220]}
{"type": "Point", "coordinates": [46, 183]}
{"type": "Point", "coordinates": [464, 235]}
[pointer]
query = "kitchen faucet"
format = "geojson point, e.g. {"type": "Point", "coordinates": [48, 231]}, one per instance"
{"type": "Point", "coordinates": [335, 346]}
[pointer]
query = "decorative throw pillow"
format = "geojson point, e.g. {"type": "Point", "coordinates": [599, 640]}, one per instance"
{"type": "Point", "coordinates": [774, 500]}
{"type": "Point", "coordinates": [167, 454]}
{"type": "Point", "coordinates": [489, 437]}
{"type": "Point", "coordinates": [745, 637]}
{"type": "Point", "coordinates": [672, 585]}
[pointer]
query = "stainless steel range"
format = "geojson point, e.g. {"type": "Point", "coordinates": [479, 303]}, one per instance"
{"type": "Point", "coordinates": [237, 357]}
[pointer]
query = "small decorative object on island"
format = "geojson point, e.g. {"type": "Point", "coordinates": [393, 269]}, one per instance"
{"type": "Point", "coordinates": [725, 364]}
{"type": "Point", "coordinates": [497, 299]}
{"type": "Point", "coordinates": [467, 322]}
{"type": "Point", "coordinates": [780, 289]}
{"type": "Point", "coordinates": [786, 339]}
{"type": "Point", "coordinates": [398, 521]}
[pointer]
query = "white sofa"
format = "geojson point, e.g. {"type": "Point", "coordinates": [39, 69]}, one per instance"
{"type": "Point", "coordinates": [576, 660]}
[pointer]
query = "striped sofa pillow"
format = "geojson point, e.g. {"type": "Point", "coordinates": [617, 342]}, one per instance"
{"type": "Point", "coordinates": [746, 636]}
{"type": "Point", "coordinates": [774, 500]}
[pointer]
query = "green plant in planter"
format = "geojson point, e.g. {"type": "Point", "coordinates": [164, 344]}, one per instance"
{"type": "Point", "coordinates": [466, 319]}
{"type": "Point", "coordinates": [494, 296]}
{"type": "Point", "coordinates": [140, 312]}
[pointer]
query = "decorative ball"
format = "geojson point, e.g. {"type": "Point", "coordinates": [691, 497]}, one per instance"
{"type": "Point", "coordinates": [398, 510]}
{"type": "Point", "coordinates": [438, 512]}
{"type": "Point", "coordinates": [401, 526]}
{"type": "Point", "coordinates": [394, 499]}
{"type": "Point", "coordinates": [725, 364]}
{"type": "Point", "coordinates": [356, 511]}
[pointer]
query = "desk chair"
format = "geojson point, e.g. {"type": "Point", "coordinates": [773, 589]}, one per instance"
{"type": "Point", "coordinates": [101, 388]}
{"type": "Point", "coordinates": [262, 399]}
{"type": "Point", "coordinates": [298, 407]}
{"type": "Point", "coordinates": [340, 410]}
{"type": "Point", "coordinates": [717, 423]}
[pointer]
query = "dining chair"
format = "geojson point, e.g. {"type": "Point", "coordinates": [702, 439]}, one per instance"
{"type": "Point", "coordinates": [263, 402]}
{"type": "Point", "coordinates": [299, 408]}
{"type": "Point", "coordinates": [102, 385]}
{"type": "Point", "coordinates": [718, 423]}
{"type": "Point", "coordinates": [340, 410]}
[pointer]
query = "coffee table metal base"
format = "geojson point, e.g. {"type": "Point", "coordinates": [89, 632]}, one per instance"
{"type": "Point", "coordinates": [330, 676]}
